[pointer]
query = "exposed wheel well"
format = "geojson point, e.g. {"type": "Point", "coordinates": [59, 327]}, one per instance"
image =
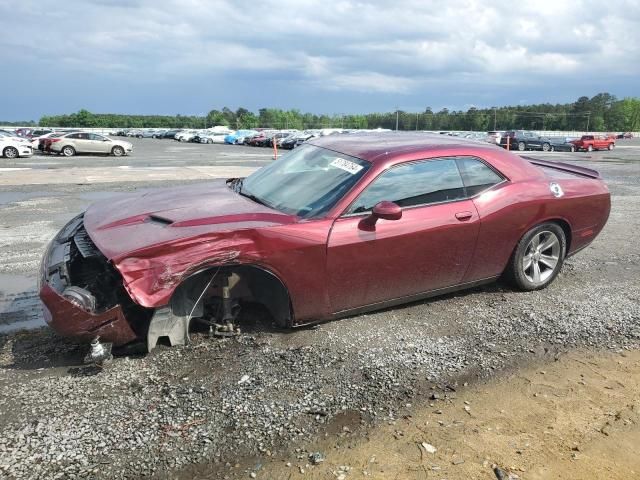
{"type": "Point", "coordinates": [247, 283]}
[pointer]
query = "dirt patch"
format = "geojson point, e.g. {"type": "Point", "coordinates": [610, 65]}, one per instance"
{"type": "Point", "coordinates": [576, 418]}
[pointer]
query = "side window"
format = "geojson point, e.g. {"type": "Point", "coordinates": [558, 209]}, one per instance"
{"type": "Point", "coordinates": [477, 176]}
{"type": "Point", "coordinates": [74, 135]}
{"type": "Point", "coordinates": [93, 136]}
{"type": "Point", "coordinates": [418, 183]}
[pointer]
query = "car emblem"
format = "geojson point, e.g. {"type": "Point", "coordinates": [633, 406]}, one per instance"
{"type": "Point", "coordinates": [556, 190]}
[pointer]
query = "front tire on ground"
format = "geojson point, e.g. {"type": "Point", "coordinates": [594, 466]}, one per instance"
{"type": "Point", "coordinates": [610, 146]}
{"type": "Point", "coordinates": [589, 148]}
{"type": "Point", "coordinates": [546, 147]}
{"type": "Point", "coordinates": [117, 151]}
{"type": "Point", "coordinates": [68, 151]}
{"type": "Point", "coordinates": [522, 146]}
{"type": "Point", "coordinates": [10, 152]}
{"type": "Point", "coordinates": [538, 257]}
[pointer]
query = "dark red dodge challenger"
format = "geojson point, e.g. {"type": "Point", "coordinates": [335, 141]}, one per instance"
{"type": "Point", "coordinates": [342, 225]}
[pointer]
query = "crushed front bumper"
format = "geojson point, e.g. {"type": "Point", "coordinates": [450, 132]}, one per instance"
{"type": "Point", "coordinates": [69, 261]}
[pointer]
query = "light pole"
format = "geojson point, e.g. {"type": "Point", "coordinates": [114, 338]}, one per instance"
{"type": "Point", "coordinates": [494, 118]}
{"type": "Point", "coordinates": [417, 113]}
{"type": "Point", "coordinates": [397, 113]}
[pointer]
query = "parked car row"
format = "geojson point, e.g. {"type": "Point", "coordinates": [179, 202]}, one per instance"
{"type": "Point", "coordinates": [68, 142]}
{"type": "Point", "coordinates": [524, 140]}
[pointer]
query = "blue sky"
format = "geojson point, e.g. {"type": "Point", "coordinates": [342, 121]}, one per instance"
{"type": "Point", "coordinates": [191, 56]}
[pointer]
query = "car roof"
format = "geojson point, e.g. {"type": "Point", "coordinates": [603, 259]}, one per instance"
{"type": "Point", "coordinates": [382, 146]}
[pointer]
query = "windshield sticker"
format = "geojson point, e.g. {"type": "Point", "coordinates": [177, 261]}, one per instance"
{"type": "Point", "coordinates": [346, 165]}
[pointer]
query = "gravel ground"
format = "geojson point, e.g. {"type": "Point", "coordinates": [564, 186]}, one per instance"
{"type": "Point", "coordinates": [200, 410]}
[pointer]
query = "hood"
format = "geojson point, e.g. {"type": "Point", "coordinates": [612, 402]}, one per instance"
{"type": "Point", "coordinates": [131, 222]}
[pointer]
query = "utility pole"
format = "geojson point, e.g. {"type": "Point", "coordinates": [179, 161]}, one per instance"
{"type": "Point", "coordinates": [494, 118]}
{"type": "Point", "coordinates": [417, 113]}
{"type": "Point", "coordinates": [588, 118]}
{"type": "Point", "coordinates": [397, 113]}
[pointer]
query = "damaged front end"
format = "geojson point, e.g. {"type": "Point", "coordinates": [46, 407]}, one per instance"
{"type": "Point", "coordinates": [83, 294]}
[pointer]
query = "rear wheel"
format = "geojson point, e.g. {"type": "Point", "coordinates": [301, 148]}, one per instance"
{"type": "Point", "coordinates": [546, 147]}
{"type": "Point", "coordinates": [522, 146]}
{"type": "Point", "coordinates": [538, 257]}
{"type": "Point", "coordinates": [573, 148]}
{"type": "Point", "coordinates": [68, 151]}
{"type": "Point", "coordinates": [589, 148]}
{"type": "Point", "coordinates": [117, 151]}
{"type": "Point", "coordinates": [610, 146]}
{"type": "Point", "coordinates": [10, 152]}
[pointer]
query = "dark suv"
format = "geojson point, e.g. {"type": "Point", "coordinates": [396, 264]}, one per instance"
{"type": "Point", "coordinates": [523, 140]}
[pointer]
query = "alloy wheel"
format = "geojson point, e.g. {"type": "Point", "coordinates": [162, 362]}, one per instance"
{"type": "Point", "coordinates": [10, 152]}
{"type": "Point", "coordinates": [541, 257]}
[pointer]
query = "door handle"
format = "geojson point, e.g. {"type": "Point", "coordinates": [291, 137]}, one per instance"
{"type": "Point", "coordinates": [464, 216]}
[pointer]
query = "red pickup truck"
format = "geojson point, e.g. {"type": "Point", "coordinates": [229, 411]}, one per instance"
{"type": "Point", "coordinates": [594, 142]}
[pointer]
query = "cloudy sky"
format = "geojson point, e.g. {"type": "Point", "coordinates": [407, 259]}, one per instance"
{"type": "Point", "coordinates": [190, 56]}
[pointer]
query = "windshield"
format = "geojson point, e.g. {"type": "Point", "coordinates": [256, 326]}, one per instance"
{"type": "Point", "coordinates": [306, 182]}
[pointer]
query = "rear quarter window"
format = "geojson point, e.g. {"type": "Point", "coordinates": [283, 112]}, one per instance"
{"type": "Point", "coordinates": [477, 175]}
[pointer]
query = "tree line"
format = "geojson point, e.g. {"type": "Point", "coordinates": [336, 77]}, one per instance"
{"type": "Point", "coordinates": [602, 112]}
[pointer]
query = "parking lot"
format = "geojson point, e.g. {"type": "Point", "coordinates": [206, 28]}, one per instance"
{"type": "Point", "coordinates": [182, 413]}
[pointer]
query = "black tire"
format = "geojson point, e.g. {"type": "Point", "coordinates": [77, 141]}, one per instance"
{"type": "Point", "coordinates": [117, 151]}
{"type": "Point", "coordinates": [589, 148]}
{"type": "Point", "coordinates": [68, 151]}
{"type": "Point", "coordinates": [546, 147]}
{"type": "Point", "coordinates": [10, 152]}
{"type": "Point", "coordinates": [523, 278]}
{"type": "Point", "coordinates": [522, 146]}
{"type": "Point", "coordinates": [573, 148]}
{"type": "Point", "coordinates": [610, 146]}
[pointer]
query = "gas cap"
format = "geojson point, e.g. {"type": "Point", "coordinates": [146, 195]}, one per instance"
{"type": "Point", "coordinates": [556, 190]}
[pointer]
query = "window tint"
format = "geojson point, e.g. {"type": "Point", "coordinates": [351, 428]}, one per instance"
{"type": "Point", "coordinates": [477, 176]}
{"type": "Point", "coordinates": [74, 135]}
{"type": "Point", "coordinates": [419, 183]}
{"type": "Point", "coordinates": [93, 136]}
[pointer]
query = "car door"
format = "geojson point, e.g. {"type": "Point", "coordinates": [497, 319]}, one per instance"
{"type": "Point", "coordinates": [81, 142]}
{"type": "Point", "coordinates": [100, 144]}
{"type": "Point", "coordinates": [428, 248]}
{"type": "Point", "coordinates": [533, 140]}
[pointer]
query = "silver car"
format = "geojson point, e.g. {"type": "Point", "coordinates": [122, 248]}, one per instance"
{"type": "Point", "coordinates": [84, 142]}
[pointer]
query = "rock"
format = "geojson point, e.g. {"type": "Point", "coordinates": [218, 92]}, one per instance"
{"type": "Point", "coordinates": [316, 458]}
{"type": "Point", "coordinates": [428, 447]}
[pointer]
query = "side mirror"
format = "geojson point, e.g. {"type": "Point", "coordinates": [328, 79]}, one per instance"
{"type": "Point", "coordinates": [384, 210]}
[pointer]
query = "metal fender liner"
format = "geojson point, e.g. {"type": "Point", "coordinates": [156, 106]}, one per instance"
{"type": "Point", "coordinates": [165, 324]}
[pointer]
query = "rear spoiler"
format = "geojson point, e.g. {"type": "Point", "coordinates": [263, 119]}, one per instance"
{"type": "Point", "coordinates": [565, 167]}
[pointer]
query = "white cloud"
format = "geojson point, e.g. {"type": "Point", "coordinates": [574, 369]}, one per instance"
{"type": "Point", "coordinates": [404, 47]}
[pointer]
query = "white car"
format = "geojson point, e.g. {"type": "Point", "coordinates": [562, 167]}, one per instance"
{"type": "Point", "coordinates": [10, 148]}
{"type": "Point", "coordinates": [86, 142]}
{"type": "Point", "coordinates": [186, 135]}
{"type": "Point", "coordinates": [213, 137]}
{"type": "Point", "coordinates": [4, 134]}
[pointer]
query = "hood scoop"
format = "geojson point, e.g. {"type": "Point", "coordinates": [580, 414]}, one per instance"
{"type": "Point", "coordinates": [159, 220]}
